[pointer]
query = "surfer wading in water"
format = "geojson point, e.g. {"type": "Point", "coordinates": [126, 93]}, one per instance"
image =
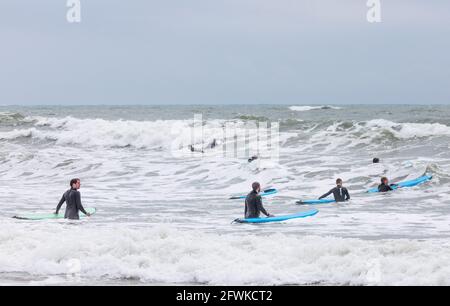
{"type": "Point", "coordinates": [340, 193]}
{"type": "Point", "coordinates": [253, 203]}
{"type": "Point", "coordinates": [72, 197]}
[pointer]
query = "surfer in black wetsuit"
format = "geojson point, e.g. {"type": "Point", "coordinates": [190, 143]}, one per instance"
{"type": "Point", "coordinates": [211, 145]}
{"type": "Point", "coordinates": [254, 157]}
{"type": "Point", "coordinates": [72, 197]}
{"type": "Point", "coordinates": [376, 160]}
{"type": "Point", "coordinates": [384, 186]}
{"type": "Point", "coordinates": [253, 203]}
{"type": "Point", "coordinates": [340, 193]}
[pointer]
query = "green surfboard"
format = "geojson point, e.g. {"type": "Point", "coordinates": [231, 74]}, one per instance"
{"type": "Point", "coordinates": [51, 216]}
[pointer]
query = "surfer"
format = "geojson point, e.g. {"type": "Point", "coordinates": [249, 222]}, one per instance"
{"type": "Point", "coordinates": [376, 160]}
{"type": "Point", "coordinates": [72, 197]}
{"type": "Point", "coordinates": [340, 193]}
{"type": "Point", "coordinates": [193, 149]}
{"type": "Point", "coordinates": [211, 145]}
{"type": "Point", "coordinates": [384, 186]}
{"type": "Point", "coordinates": [254, 157]}
{"type": "Point", "coordinates": [253, 203]}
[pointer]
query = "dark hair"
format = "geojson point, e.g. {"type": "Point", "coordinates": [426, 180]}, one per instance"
{"type": "Point", "coordinates": [376, 160]}
{"type": "Point", "coordinates": [74, 181]}
{"type": "Point", "coordinates": [339, 181]}
{"type": "Point", "coordinates": [383, 179]}
{"type": "Point", "coordinates": [255, 186]}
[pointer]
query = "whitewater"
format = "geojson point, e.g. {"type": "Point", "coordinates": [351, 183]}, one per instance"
{"type": "Point", "coordinates": [163, 211]}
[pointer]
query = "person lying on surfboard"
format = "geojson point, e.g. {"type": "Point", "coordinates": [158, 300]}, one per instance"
{"type": "Point", "coordinates": [340, 193]}
{"type": "Point", "coordinates": [385, 186]}
{"type": "Point", "coordinates": [253, 203]}
{"type": "Point", "coordinates": [72, 197]}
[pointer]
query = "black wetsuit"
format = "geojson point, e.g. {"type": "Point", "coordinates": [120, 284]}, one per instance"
{"type": "Point", "coordinates": [72, 197]}
{"type": "Point", "coordinates": [384, 188]}
{"type": "Point", "coordinates": [252, 158]}
{"type": "Point", "coordinates": [340, 194]}
{"type": "Point", "coordinates": [253, 206]}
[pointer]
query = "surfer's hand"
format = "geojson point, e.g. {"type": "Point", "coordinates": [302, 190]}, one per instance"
{"type": "Point", "coordinates": [88, 214]}
{"type": "Point", "coordinates": [270, 215]}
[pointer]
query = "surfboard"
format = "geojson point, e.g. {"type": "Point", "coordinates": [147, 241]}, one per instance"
{"type": "Point", "coordinates": [315, 202]}
{"type": "Point", "coordinates": [51, 216]}
{"type": "Point", "coordinates": [263, 194]}
{"type": "Point", "coordinates": [304, 214]}
{"type": "Point", "coordinates": [410, 183]}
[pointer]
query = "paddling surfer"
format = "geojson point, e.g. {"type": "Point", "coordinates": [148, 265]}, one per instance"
{"type": "Point", "coordinates": [385, 186]}
{"type": "Point", "coordinates": [72, 197]}
{"type": "Point", "coordinates": [253, 203]}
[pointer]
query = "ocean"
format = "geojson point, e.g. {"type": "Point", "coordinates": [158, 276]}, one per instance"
{"type": "Point", "coordinates": [163, 213]}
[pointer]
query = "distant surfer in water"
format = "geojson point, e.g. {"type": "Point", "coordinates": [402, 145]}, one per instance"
{"type": "Point", "coordinates": [340, 193]}
{"type": "Point", "coordinates": [211, 145]}
{"type": "Point", "coordinates": [376, 160]}
{"type": "Point", "coordinates": [253, 203]}
{"type": "Point", "coordinates": [72, 197]}
{"type": "Point", "coordinates": [254, 157]}
{"type": "Point", "coordinates": [385, 186]}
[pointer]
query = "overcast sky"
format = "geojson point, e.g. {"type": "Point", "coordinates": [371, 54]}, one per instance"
{"type": "Point", "coordinates": [224, 52]}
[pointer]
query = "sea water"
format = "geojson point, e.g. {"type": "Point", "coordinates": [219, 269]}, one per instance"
{"type": "Point", "coordinates": [163, 211]}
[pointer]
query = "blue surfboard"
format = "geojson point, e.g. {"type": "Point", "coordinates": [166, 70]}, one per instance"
{"type": "Point", "coordinates": [315, 202]}
{"type": "Point", "coordinates": [263, 194]}
{"type": "Point", "coordinates": [304, 214]}
{"type": "Point", "coordinates": [411, 183]}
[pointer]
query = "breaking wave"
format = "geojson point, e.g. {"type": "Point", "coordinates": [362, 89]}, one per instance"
{"type": "Point", "coordinates": [166, 255]}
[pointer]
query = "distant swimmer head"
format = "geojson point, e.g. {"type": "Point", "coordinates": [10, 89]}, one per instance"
{"type": "Point", "coordinates": [339, 182]}
{"type": "Point", "coordinates": [376, 160]}
{"type": "Point", "coordinates": [75, 183]}
{"type": "Point", "coordinates": [384, 180]}
{"type": "Point", "coordinates": [256, 187]}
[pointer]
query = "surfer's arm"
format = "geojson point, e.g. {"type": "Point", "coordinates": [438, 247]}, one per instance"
{"type": "Point", "coordinates": [61, 202]}
{"type": "Point", "coordinates": [261, 207]}
{"type": "Point", "coordinates": [347, 195]}
{"type": "Point", "coordinates": [79, 205]}
{"type": "Point", "coordinates": [326, 194]}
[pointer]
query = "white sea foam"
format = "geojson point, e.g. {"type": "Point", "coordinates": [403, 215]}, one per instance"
{"type": "Point", "coordinates": [170, 134]}
{"type": "Point", "coordinates": [166, 134]}
{"type": "Point", "coordinates": [17, 133]}
{"type": "Point", "coordinates": [409, 130]}
{"type": "Point", "coordinates": [165, 255]}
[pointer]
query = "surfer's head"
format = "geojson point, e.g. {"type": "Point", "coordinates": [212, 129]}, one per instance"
{"type": "Point", "coordinates": [376, 160]}
{"type": "Point", "coordinates": [384, 180]}
{"type": "Point", "coordinates": [256, 187]}
{"type": "Point", "coordinates": [339, 182]}
{"type": "Point", "coordinates": [75, 183]}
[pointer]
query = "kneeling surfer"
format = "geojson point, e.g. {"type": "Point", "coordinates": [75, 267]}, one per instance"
{"type": "Point", "coordinates": [72, 197]}
{"type": "Point", "coordinates": [253, 203]}
{"type": "Point", "coordinates": [340, 193]}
